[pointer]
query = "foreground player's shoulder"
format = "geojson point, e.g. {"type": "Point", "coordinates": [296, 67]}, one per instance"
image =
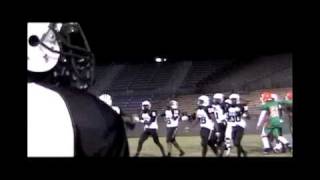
{"type": "Point", "coordinates": [48, 114]}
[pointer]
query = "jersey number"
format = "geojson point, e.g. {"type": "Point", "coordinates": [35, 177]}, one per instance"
{"type": "Point", "coordinates": [168, 121]}
{"type": "Point", "coordinates": [274, 112]}
{"type": "Point", "coordinates": [217, 116]}
{"type": "Point", "coordinates": [203, 120]}
{"type": "Point", "coordinates": [234, 119]}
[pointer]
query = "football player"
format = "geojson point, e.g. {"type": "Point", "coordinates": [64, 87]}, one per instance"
{"type": "Point", "coordinates": [274, 125]}
{"type": "Point", "coordinates": [263, 121]}
{"type": "Point", "coordinates": [219, 110]}
{"type": "Point", "coordinates": [209, 131]}
{"type": "Point", "coordinates": [228, 131]}
{"type": "Point", "coordinates": [108, 100]}
{"type": "Point", "coordinates": [149, 118]}
{"type": "Point", "coordinates": [278, 147]}
{"type": "Point", "coordinates": [236, 113]}
{"type": "Point", "coordinates": [173, 116]}
{"type": "Point", "coordinates": [64, 120]}
{"type": "Point", "coordinates": [288, 108]}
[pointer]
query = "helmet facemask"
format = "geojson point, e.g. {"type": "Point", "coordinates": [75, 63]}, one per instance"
{"type": "Point", "coordinates": [146, 105]}
{"type": "Point", "coordinates": [203, 101]}
{"type": "Point", "coordinates": [173, 104]}
{"type": "Point", "coordinates": [218, 98]}
{"type": "Point", "coordinates": [75, 66]}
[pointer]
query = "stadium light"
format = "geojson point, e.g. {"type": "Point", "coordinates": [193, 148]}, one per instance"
{"type": "Point", "coordinates": [158, 60]}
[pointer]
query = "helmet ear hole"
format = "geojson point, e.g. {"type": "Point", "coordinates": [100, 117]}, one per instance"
{"type": "Point", "coordinates": [34, 40]}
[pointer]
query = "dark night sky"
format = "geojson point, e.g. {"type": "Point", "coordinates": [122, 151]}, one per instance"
{"type": "Point", "coordinates": [123, 42]}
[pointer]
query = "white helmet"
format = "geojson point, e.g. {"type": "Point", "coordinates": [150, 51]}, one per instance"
{"type": "Point", "coordinates": [203, 100]}
{"type": "Point", "coordinates": [236, 97]}
{"type": "Point", "coordinates": [228, 101]}
{"type": "Point", "coordinates": [218, 96]}
{"type": "Point", "coordinates": [106, 98]}
{"type": "Point", "coordinates": [39, 35]}
{"type": "Point", "coordinates": [146, 104]}
{"type": "Point", "coordinates": [173, 104]}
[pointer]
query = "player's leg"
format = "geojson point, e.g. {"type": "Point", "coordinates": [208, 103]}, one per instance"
{"type": "Point", "coordinates": [213, 141]}
{"type": "Point", "coordinates": [175, 143]}
{"type": "Point", "coordinates": [142, 139]}
{"type": "Point", "coordinates": [228, 138]}
{"type": "Point", "coordinates": [234, 139]}
{"type": "Point", "coordinates": [281, 139]}
{"type": "Point", "coordinates": [169, 140]}
{"type": "Point", "coordinates": [238, 134]}
{"type": "Point", "coordinates": [221, 141]}
{"type": "Point", "coordinates": [290, 124]}
{"type": "Point", "coordinates": [155, 137]}
{"type": "Point", "coordinates": [280, 145]}
{"type": "Point", "coordinates": [223, 127]}
{"type": "Point", "coordinates": [275, 133]}
{"type": "Point", "coordinates": [204, 134]}
{"type": "Point", "coordinates": [265, 140]}
{"type": "Point", "coordinates": [241, 133]}
{"type": "Point", "coordinates": [272, 139]}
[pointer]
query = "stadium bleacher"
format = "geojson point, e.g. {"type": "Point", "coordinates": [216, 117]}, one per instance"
{"type": "Point", "coordinates": [137, 82]}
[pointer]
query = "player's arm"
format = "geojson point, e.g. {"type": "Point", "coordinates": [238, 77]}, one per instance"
{"type": "Point", "coordinates": [176, 115]}
{"type": "Point", "coordinates": [280, 107]}
{"type": "Point", "coordinates": [262, 117]}
{"type": "Point", "coordinates": [193, 116]}
{"type": "Point", "coordinates": [213, 118]}
{"type": "Point", "coordinates": [194, 119]}
{"type": "Point", "coordinates": [153, 116]}
{"type": "Point", "coordinates": [163, 116]}
{"type": "Point", "coordinates": [225, 112]}
{"type": "Point", "coordinates": [285, 102]}
{"type": "Point", "coordinates": [186, 117]}
{"type": "Point", "coordinates": [245, 111]}
{"type": "Point", "coordinates": [128, 121]}
{"type": "Point", "coordinates": [137, 118]}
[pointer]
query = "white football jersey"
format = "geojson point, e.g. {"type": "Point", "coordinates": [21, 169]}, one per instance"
{"type": "Point", "coordinates": [50, 130]}
{"type": "Point", "coordinates": [116, 109]}
{"type": "Point", "coordinates": [218, 112]}
{"type": "Point", "coordinates": [205, 120]}
{"type": "Point", "coordinates": [235, 116]}
{"type": "Point", "coordinates": [172, 117]}
{"type": "Point", "coordinates": [147, 117]}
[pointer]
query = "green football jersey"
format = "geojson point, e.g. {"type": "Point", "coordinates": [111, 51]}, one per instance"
{"type": "Point", "coordinates": [272, 107]}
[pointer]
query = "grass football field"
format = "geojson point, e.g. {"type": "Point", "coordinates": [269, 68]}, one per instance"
{"type": "Point", "coordinates": [191, 145]}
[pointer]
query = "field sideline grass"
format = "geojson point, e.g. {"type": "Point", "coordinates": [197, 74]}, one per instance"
{"type": "Point", "coordinates": [191, 145]}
